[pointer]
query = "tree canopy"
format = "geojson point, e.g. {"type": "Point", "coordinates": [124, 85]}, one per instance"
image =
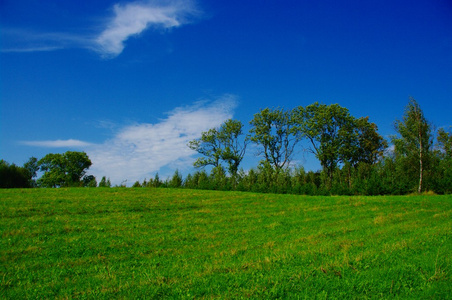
{"type": "Point", "coordinates": [63, 170]}
{"type": "Point", "coordinates": [221, 144]}
{"type": "Point", "coordinates": [273, 131]}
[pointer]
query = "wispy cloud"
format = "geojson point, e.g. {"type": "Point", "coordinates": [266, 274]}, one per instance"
{"type": "Point", "coordinates": [20, 40]}
{"type": "Point", "coordinates": [134, 18]}
{"type": "Point", "coordinates": [57, 143]}
{"type": "Point", "coordinates": [138, 151]}
{"type": "Point", "coordinates": [128, 20]}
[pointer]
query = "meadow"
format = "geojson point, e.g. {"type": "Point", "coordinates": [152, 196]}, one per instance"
{"type": "Point", "coordinates": [103, 243]}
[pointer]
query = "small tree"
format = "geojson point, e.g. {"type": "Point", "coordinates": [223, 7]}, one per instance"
{"type": "Point", "coordinates": [89, 181]}
{"type": "Point", "coordinates": [104, 182]}
{"type": "Point", "coordinates": [233, 149]}
{"type": "Point", "coordinates": [32, 166]}
{"type": "Point", "coordinates": [221, 144]}
{"type": "Point", "coordinates": [176, 181]}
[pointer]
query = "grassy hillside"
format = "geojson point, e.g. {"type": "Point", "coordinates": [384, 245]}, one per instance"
{"type": "Point", "coordinates": [154, 243]}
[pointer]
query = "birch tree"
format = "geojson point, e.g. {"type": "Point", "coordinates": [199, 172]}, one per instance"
{"type": "Point", "coordinates": [414, 141]}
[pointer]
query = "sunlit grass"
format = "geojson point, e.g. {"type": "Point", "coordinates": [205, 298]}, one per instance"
{"type": "Point", "coordinates": [154, 243]}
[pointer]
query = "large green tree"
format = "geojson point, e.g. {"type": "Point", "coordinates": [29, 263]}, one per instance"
{"type": "Point", "coordinates": [329, 129]}
{"type": "Point", "coordinates": [413, 144]}
{"type": "Point", "coordinates": [337, 137]}
{"type": "Point", "coordinates": [63, 170]}
{"type": "Point", "coordinates": [363, 144]}
{"type": "Point", "coordinates": [273, 131]}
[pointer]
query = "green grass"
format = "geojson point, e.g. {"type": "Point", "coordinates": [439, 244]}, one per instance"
{"type": "Point", "coordinates": [168, 243]}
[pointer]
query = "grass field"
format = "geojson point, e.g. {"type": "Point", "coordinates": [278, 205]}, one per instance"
{"type": "Point", "coordinates": [169, 243]}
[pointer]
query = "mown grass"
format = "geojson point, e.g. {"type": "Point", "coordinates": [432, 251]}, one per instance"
{"type": "Point", "coordinates": [168, 243]}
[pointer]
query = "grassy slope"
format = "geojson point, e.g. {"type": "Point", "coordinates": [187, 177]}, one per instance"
{"type": "Point", "coordinates": [129, 243]}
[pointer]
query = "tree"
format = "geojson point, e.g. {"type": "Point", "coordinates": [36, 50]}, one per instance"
{"type": "Point", "coordinates": [63, 170]}
{"type": "Point", "coordinates": [445, 142]}
{"type": "Point", "coordinates": [209, 145]}
{"type": "Point", "coordinates": [104, 182]}
{"type": "Point", "coordinates": [32, 167]}
{"type": "Point", "coordinates": [272, 129]}
{"type": "Point", "coordinates": [443, 166]}
{"type": "Point", "coordinates": [89, 181]}
{"type": "Point", "coordinates": [233, 149]}
{"type": "Point", "coordinates": [176, 181]}
{"type": "Point", "coordinates": [12, 176]}
{"type": "Point", "coordinates": [330, 130]}
{"type": "Point", "coordinates": [370, 144]}
{"type": "Point", "coordinates": [415, 140]}
{"type": "Point", "coordinates": [221, 144]}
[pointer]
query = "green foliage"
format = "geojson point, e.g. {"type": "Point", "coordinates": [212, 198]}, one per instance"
{"type": "Point", "coordinates": [12, 176]}
{"type": "Point", "coordinates": [445, 143]}
{"type": "Point", "coordinates": [327, 127]}
{"type": "Point", "coordinates": [63, 170]}
{"type": "Point", "coordinates": [136, 184]}
{"type": "Point", "coordinates": [178, 244]}
{"type": "Point", "coordinates": [233, 149]}
{"type": "Point", "coordinates": [89, 181]}
{"type": "Point", "coordinates": [104, 182]}
{"type": "Point", "coordinates": [273, 131]}
{"type": "Point", "coordinates": [222, 144]}
{"type": "Point", "coordinates": [209, 146]}
{"type": "Point", "coordinates": [176, 180]}
{"type": "Point", "coordinates": [337, 137]}
{"type": "Point", "coordinates": [32, 167]}
{"type": "Point", "coordinates": [413, 145]}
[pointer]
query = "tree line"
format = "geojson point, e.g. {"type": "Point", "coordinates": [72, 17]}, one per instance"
{"type": "Point", "coordinates": [354, 157]}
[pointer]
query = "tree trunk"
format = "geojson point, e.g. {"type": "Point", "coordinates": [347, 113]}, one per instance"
{"type": "Point", "coordinates": [421, 167]}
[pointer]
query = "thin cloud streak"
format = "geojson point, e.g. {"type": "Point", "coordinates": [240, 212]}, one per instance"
{"type": "Point", "coordinates": [138, 151]}
{"type": "Point", "coordinates": [57, 143]}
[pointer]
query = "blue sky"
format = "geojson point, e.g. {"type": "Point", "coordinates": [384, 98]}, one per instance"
{"type": "Point", "coordinates": [130, 82]}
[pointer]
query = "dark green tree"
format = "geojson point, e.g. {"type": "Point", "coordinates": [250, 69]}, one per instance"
{"type": "Point", "coordinates": [32, 166]}
{"type": "Point", "coordinates": [330, 130]}
{"type": "Point", "coordinates": [176, 181]}
{"type": "Point", "coordinates": [104, 182]}
{"type": "Point", "coordinates": [445, 142]}
{"type": "Point", "coordinates": [89, 181]}
{"type": "Point", "coordinates": [364, 144]}
{"type": "Point", "coordinates": [12, 176]}
{"type": "Point", "coordinates": [63, 170]}
{"type": "Point", "coordinates": [443, 165]}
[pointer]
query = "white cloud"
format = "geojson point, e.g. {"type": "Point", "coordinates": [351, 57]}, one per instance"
{"type": "Point", "coordinates": [129, 20]}
{"type": "Point", "coordinates": [133, 18]}
{"type": "Point", "coordinates": [138, 151]}
{"type": "Point", "coordinates": [57, 143]}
